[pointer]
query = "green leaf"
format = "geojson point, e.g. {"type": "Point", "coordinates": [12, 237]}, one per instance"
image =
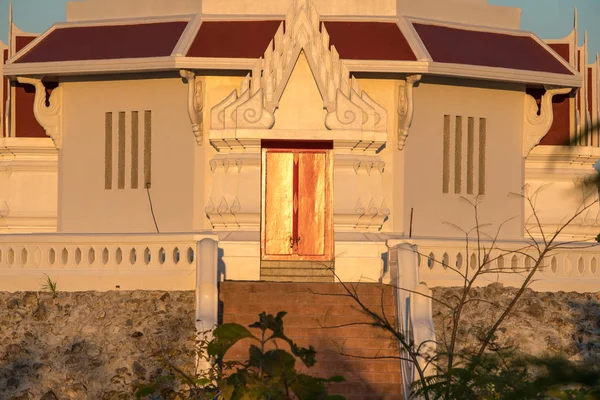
{"type": "Point", "coordinates": [226, 335]}
{"type": "Point", "coordinates": [278, 363]}
{"type": "Point", "coordinates": [336, 379]}
{"type": "Point", "coordinates": [145, 391]}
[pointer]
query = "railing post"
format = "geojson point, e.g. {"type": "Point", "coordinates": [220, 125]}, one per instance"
{"type": "Point", "coordinates": [405, 275]}
{"type": "Point", "coordinates": [207, 293]}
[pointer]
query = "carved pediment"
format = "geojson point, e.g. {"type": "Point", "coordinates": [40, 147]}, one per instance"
{"type": "Point", "coordinates": [254, 105]}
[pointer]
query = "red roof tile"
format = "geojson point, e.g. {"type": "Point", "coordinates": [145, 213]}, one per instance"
{"type": "Point", "coordinates": [461, 46]}
{"type": "Point", "coordinates": [369, 41]}
{"type": "Point", "coordinates": [106, 42]}
{"type": "Point", "coordinates": [233, 39]}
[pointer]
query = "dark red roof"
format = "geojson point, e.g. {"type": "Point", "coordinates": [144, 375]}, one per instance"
{"type": "Point", "coordinates": [22, 41]}
{"type": "Point", "coordinates": [461, 46]}
{"type": "Point", "coordinates": [562, 49]}
{"type": "Point", "coordinates": [233, 39]}
{"type": "Point", "coordinates": [369, 41]}
{"type": "Point", "coordinates": [107, 42]}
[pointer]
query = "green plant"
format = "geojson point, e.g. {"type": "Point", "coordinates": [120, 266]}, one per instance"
{"type": "Point", "coordinates": [268, 373]}
{"type": "Point", "coordinates": [483, 369]}
{"type": "Point", "coordinates": [50, 286]}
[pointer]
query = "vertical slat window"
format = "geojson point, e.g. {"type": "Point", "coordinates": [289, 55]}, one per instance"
{"type": "Point", "coordinates": [464, 155]}
{"type": "Point", "coordinates": [446, 156]}
{"type": "Point", "coordinates": [470, 153]}
{"type": "Point", "coordinates": [121, 152]}
{"type": "Point", "coordinates": [108, 150]}
{"type": "Point", "coordinates": [482, 144]}
{"type": "Point", "coordinates": [127, 149]}
{"type": "Point", "coordinates": [134, 149]}
{"type": "Point", "coordinates": [147, 147]}
{"type": "Point", "coordinates": [458, 155]}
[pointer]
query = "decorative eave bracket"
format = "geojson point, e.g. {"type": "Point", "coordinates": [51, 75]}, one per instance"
{"type": "Point", "coordinates": [49, 117]}
{"type": "Point", "coordinates": [538, 119]}
{"type": "Point", "coordinates": [195, 103]}
{"type": "Point", "coordinates": [406, 108]}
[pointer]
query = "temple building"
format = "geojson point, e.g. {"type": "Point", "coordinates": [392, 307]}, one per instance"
{"type": "Point", "coordinates": [306, 139]}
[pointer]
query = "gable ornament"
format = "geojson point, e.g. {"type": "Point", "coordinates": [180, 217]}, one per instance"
{"type": "Point", "coordinates": [254, 105]}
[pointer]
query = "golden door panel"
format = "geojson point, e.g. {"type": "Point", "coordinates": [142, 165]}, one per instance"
{"type": "Point", "coordinates": [311, 204]}
{"type": "Point", "coordinates": [296, 222]}
{"type": "Point", "coordinates": [279, 209]}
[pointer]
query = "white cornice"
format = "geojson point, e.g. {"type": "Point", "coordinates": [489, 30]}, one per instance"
{"type": "Point", "coordinates": [504, 74]}
{"type": "Point", "coordinates": [126, 65]}
{"type": "Point", "coordinates": [158, 64]}
{"type": "Point", "coordinates": [578, 155]}
{"type": "Point", "coordinates": [62, 68]}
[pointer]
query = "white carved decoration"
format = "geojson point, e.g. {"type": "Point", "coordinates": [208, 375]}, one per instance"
{"type": "Point", "coordinates": [360, 204]}
{"type": "Point", "coordinates": [195, 103]}
{"type": "Point", "coordinates": [49, 117]}
{"type": "Point", "coordinates": [233, 203]}
{"type": "Point", "coordinates": [255, 104]}
{"type": "Point", "coordinates": [537, 124]}
{"type": "Point", "coordinates": [406, 108]}
{"type": "Point", "coordinates": [4, 209]}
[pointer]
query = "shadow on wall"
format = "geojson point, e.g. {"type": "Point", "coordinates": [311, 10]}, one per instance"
{"type": "Point", "coordinates": [89, 344]}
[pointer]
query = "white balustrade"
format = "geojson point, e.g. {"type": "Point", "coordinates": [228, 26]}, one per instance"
{"type": "Point", "coordinates": [573, 266]}
{"type": "Point", "coordinates": [123, 255]}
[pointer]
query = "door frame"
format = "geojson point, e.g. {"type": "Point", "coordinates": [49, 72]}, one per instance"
{"type": "Point", "coordinates": [307, 146]}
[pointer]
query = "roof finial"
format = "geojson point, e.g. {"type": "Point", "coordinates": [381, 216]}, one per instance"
{"type": "Point", "coordinates": [10, 30]}
{"type": "Point", "coordinates": [8, 106]}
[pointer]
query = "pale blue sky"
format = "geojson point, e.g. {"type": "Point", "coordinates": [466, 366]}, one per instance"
{"type": "Point", "coordinates": [549, 19]}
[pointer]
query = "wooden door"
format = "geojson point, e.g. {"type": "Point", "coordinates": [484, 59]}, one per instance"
{"type": "Point", "coordinates": [296, 221]}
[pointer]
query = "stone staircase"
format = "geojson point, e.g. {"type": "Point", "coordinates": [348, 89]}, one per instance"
{"type": "Point", "coordinates": [296, 271]}
{"type": "Point", "coordinates": [319, 314]}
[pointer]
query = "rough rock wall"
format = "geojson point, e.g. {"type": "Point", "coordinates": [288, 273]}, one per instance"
{"type": "Point", "coordinates": [91, 345]}
{"type": "Point", "coordinates": [543, 323]}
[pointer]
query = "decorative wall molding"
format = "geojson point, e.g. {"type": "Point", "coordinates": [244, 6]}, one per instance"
{"type": "Point", "coordinates": [538, 119]}
{"type": "Point", "coordinates": [359, 201]}
{"type": "Point", "coordinates": [254, 105]}
{"type": "Point", "coordinates": [406, 108]}
{"type": "Point", "coordinates": [233, 203]}
{"type": "Point", "coordinates": [195, 103]}
{"type": "Point", "coordinates": [49, 117]}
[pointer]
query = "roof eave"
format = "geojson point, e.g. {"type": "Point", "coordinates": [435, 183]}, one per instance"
{"type": "Point", "coordinates": [171, 63]}
{"type": "Point", "coordinates": [124, 65]}
{"type": "Point", "coordinates": [466, 71]}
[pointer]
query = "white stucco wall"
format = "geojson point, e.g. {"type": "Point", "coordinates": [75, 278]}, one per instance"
{"type": "Point", "coordinates": [84, 204]}
{"type": "Point", "coordinates": [433, 210]}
